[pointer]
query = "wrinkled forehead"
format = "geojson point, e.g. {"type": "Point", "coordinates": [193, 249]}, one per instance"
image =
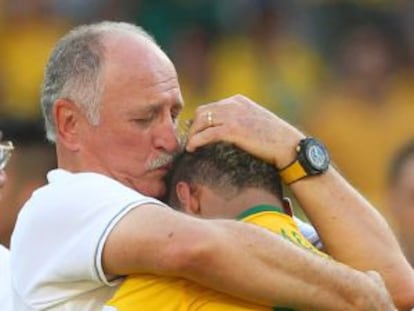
{"type": "Point", "coordinates": [132, 51]}
{"type": "Point", "coordinates": [134, 65]}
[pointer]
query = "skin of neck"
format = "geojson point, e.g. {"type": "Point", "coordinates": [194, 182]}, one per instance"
{"type": "Point", "coordinates": [213, 204]}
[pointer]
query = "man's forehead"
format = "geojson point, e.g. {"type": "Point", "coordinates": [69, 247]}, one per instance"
{"type": "Point", "coordinates": [132, 47]}
{"type": "Point", "coordinates": [148, 66]}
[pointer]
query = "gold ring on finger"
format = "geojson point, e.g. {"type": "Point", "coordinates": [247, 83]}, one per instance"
{"type": "Point", "coordinates": [210, 118]}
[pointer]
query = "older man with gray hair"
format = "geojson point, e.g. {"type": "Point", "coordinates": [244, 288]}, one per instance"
{"type": "Point", "coordinates": [111, 100]}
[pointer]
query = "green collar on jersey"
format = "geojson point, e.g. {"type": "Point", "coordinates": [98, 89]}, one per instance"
{"type": "Point", "coordinates": [259, 209]}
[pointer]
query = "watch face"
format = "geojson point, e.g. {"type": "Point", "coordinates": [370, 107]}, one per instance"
{"type": "Point", "coordinates": [317, 156]}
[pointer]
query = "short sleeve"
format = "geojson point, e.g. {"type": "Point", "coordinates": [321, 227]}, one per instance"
{"type": "Point", "coordinates": [60, 233]}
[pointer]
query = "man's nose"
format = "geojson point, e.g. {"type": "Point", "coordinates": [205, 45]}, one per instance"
{"type": "Point", "coordinates": [167, 137]}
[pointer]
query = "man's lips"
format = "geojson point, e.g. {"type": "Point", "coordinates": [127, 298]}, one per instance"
{"type": "Point", "coordinates": [163, 168]}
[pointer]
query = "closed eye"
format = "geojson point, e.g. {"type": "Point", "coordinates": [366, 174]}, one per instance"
{"type": "Point", "coordinates": [175, 113]}
{"type": "Point", "coordinates": [174, 118]}
{"type": "Point", "coordinates": [145, 121]}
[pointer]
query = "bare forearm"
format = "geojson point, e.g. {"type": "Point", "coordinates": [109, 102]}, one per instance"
{"type": "Point", "coordinates": [249, 126]}
{"type": "Point", "coordinates": [353, 232]}
{"type": "Point", "coordinates": [272, 267]}
{"type": "Point", "coordinates": [236, 258]}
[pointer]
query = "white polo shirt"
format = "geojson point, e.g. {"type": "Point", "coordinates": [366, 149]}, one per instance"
{"type": "Point", "coordinates": [57, 244]}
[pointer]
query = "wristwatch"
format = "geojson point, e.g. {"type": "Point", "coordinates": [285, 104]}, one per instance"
{"type": "Point", "coordinates": [312, 159]}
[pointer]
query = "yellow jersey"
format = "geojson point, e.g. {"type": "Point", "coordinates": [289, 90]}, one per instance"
{"type": "Point", "coordinates": [150, 292]}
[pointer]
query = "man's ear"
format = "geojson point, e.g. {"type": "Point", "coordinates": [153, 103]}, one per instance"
{"type": "Point", "coordinates": [187, 194]}
{"type": "Point", "coordinates": [67, 117]}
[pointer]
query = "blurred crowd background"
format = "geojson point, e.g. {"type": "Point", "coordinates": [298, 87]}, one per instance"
{"type": "Point", "coordinates": [342, 71]}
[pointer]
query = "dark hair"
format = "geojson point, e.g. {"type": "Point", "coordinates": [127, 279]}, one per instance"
{"type": "Point", "coordinates": [224, 168]}
{"type": "Point", "coordinates": [400, 159]}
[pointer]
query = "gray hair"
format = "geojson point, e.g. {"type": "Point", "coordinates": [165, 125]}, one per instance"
{"type": "Point", "coordinates": [74, 70]}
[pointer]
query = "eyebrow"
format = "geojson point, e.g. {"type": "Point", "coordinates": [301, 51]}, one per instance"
{"type": "Point", "coordinates": [156, 107]}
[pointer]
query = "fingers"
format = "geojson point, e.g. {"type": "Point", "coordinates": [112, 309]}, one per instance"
{"type": "Point", "coordinates": [206, 127]}
{"type": "Point", "coordinates": [210, 119]}
{"type": "Point", "coordinates": [236, 120]}
{"type": "Point", "coordinates": [207, 136]}
{"type": "Point", "coordinates": [246, 124]}
{"type": "Point", "coordinates": [206, 116]}
{"type": "Point", "coordinates": [219, 112]}
{"type": "Point", "coordinates": [218, 121]}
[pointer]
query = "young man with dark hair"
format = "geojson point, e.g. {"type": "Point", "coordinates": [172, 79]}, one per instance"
{"type": "Point", "coordinates": [215, 181]}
